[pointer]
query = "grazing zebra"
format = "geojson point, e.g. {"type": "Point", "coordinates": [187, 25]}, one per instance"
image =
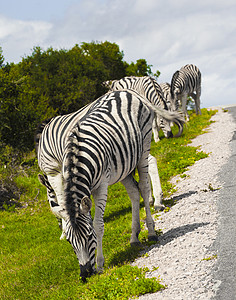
{"type": "Point", "coordinates": [148, 88]}
{"type": "Point", "coordinates": [165, 86]}
{"type": "Point", "coordinates": [82, 153]}
{"type": "Point", "coordinates": [184, 83]}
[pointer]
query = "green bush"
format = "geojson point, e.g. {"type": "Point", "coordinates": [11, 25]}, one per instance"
{"type": "Point", "coordinates": [52, 82]}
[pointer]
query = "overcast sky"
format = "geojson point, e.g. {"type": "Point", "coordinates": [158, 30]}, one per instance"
{"type": "Point", "coordinates": [167, 33]}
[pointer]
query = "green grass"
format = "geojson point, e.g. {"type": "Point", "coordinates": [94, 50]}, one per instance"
{"type": "Point", "coordinates": [35, 264]}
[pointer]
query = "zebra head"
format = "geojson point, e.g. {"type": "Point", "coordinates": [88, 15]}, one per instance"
{"type": "Point", "coordinates": [81, 235]}
{"type": "Point", "coordinates": [165, 126]}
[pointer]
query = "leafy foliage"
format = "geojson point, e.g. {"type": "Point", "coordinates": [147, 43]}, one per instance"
{"type": "Point", "coordinates": [52, 82]}
{"type": "Point", "coordinates": [141, 68]}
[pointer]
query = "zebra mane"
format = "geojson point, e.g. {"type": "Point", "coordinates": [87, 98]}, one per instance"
{"type": "Point", "coordinates": [70, 172]}
{"type": "Point", "coordinates": [159, 91]}
{"type": "Point", "coordinates": [39, 131]}
{"type": "Point", "coordinates": [174, 77]}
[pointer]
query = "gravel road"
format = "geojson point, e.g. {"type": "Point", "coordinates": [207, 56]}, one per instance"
{"type": "Point", "coordinates": [185, 255]}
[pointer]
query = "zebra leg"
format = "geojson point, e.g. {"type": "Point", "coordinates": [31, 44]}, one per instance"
{"type": "Point", "coordinates": [178, 102]}
{"type": "Point", "coordinates": [196, 98]}
{"type": "Point", "coordinates": [145, 189]}
{"type": "Point", "coordinates": [197, 101]}
{"type": "Point", "coordinates": [151, 199]}
{"type": "Point", "coordinates": [155, 129]}
{"type": "Point", "coordinates": [56, 182]}
{"type": "Point", "coordinates": [43, 179]}
{"type": "Point", "coordinates": [132, 189]}
{"type": "Point", "coordinates": [184, 105]}
{"type": "Point", "coordinates": [156, 184]}
{"type": "Point", "coordinates": [100, 198]}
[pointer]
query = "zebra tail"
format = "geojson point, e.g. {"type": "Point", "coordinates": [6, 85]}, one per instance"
{"type": "Point", "coordinates": [172, 116]}
{"type": "Point", "coordinates": [180, 125]}
{"type": "Point", "coordinates": [176, 117]}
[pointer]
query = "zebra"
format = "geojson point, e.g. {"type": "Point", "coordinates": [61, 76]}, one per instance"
{"type": "Point", "coordinates": [165, 86]}
{"type": "Point", "coordinates": [69, 122]}
{"type": "Point", "coordinates": [149, 89]}
{"type": "Point", "coordinates": [184, 83]}
{"type": "Point", "coordinates": [82, 153]}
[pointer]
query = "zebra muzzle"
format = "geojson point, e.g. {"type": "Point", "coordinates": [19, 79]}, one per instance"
{"type": "Point", "coordinates": [169, 134]}
{"type": "Point", "coordinates": [86, 271]}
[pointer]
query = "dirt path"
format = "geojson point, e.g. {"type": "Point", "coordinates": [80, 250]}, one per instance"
{"type": "Point", "coordinates": [184, 254]}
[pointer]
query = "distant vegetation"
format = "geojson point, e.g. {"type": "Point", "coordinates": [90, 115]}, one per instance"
{"type": "Point", "coordinates": [52, 82]}
{"type": "Point", "coordinates": [48, 83]}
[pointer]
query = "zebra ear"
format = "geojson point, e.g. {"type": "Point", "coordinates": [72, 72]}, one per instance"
{"type": "Point", "coordinates": [42, 179]}
{"type": "Point", "coordinates": [86, 205]}
{"type": "Point", "coordinates": [58, 211]}
{"type": "Point", "coordinates": [107, 83]}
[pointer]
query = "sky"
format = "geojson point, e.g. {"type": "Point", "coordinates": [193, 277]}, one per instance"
{"type": "Point", "coordinates": [167, 33]}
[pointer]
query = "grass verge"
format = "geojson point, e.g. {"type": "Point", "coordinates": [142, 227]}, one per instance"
{"type": "Point", "coordinates": [35, 264]}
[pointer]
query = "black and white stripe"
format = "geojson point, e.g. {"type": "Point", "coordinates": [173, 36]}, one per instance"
{"type": "Point", "coordinates": [84, 152]}
{"type": "Point", "coordinates": [148, 88]}
{"type": "Point", "coordinates": [165, 86]}
{"type": "Point", "coordinates": [184, 83]}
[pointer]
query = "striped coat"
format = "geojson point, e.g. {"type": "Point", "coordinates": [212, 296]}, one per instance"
{"type": "Point", "coordinates": [83, 153]}
{"type": "Point", "coordinates": [148, 88]}
{"type": "Point", "coordinates": [184, 83]}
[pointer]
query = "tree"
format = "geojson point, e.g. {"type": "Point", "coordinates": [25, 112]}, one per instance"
{"type": "Point", "coordinates": [20, 110]}
{"type": "Point", "coordinates": [52, 82]}
{"type": "Point", "coordinates": [1, 57]}
{"type": "Point", "coordinates": [141, 68]}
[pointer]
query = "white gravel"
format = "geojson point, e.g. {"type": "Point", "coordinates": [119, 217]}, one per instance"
{"type": "Point", "coordinates": [190, 227]}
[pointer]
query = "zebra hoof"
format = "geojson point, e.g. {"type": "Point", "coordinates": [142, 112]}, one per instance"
{"type": "Point", "coordinates": [159, 207]}
{"type": "Point", "coordinates": [151, 201]}
{"type": "Point", "coordinates": [153, 238]}
{"type": "Point", "coordinates": [135, 244]}
{"type": "Point", "coordinates": [99, 270]}
{"type": "Point", "coordinates": [169, 134]}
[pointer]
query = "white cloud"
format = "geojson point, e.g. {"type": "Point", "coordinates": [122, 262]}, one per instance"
{"type": "Point", "coordinates": [19, 37]}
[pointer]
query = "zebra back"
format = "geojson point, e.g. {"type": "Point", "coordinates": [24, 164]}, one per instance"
{"type": "Point", "coordinates": [49, 147]}
{"type": "Point", "coordinates": [194, 77]}
{"type": "Point", "coordinates": [145, 86]}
